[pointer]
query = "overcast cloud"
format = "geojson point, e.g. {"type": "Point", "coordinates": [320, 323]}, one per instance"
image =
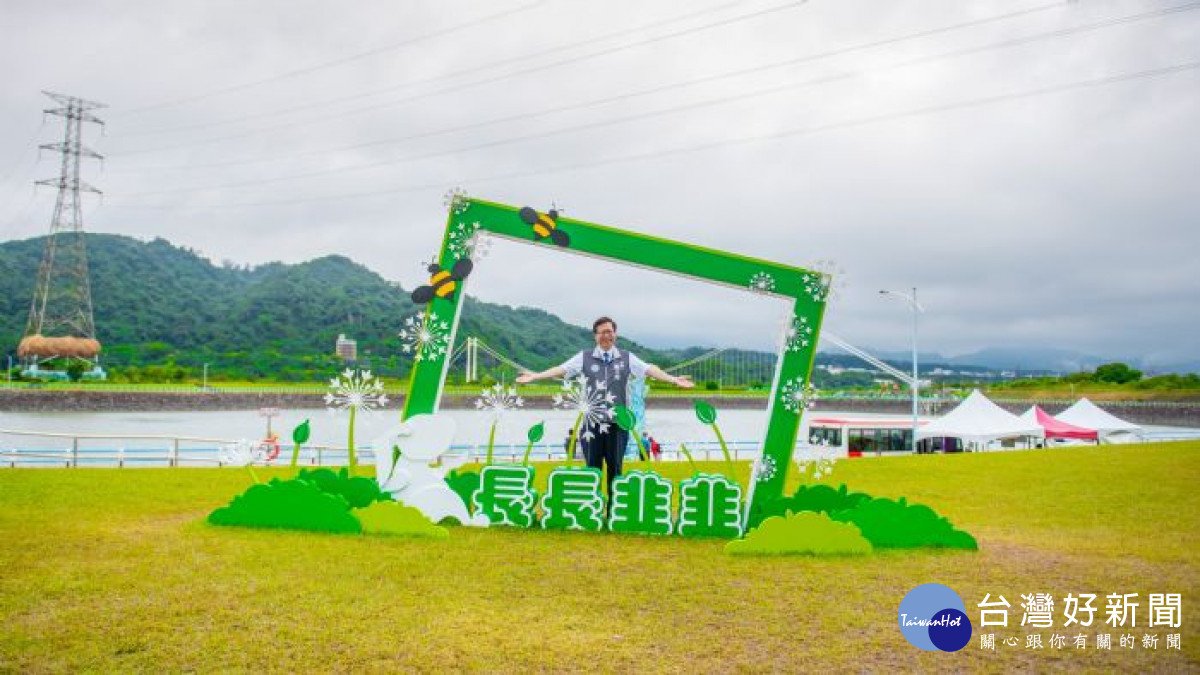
{"type": "Point", "coordinates": [1065, 218]}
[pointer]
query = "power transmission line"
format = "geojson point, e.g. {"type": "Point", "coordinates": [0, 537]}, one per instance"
{"type": "Point", "coordinates": [645, 92]}
{"type": "Point", "coordinates": [475, 83]}
{"type": "Point", "coordinates": [330, 64]}
{"type": "Point", "coordinates": [734, 98]}
{"type": "Point", "coordinates": [544, 111]}
{"type": "Point", "coordinates": [790, 133]}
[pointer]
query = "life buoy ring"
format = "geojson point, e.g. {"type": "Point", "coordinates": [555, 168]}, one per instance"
{"type": "Point", "coordinates": [271, 445]}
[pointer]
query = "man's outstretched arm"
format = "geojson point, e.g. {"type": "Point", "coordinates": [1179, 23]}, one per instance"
{"type": "Point", "coordinates": [663, 376]}
{"type": "Point", "coordinates": [555, 372]}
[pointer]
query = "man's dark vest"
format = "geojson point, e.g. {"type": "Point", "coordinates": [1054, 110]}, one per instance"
{"type": "Point", "coordinates": [615, 374]}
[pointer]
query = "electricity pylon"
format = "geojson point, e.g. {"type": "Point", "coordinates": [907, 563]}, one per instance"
{"type": "Point", "coordinates": [61, 322]}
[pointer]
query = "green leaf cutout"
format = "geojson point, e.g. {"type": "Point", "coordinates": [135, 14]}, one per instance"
{"type": "Point", "coordinates": [536, 432]}
{"type": "Point", "coordinates": [705, 412]}
{"type": "Point", "coordinates": [624, 417]}
{"type": "Point", "coordinates": [301, 433]}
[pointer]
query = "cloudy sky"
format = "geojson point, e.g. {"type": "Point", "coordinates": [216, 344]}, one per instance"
{"type": "Point", "coordinates": [1030, 167]}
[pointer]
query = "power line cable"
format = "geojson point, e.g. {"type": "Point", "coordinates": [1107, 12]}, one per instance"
{"type": "Point", "coordinates": [734, 98]}
{"type": "Point", "coordinates": [672, 152]}
{"type": "Point", "coordinates": [330, 64]}
{"type": "Point", "coordinates": [466, 85]}
{"type": "Point", "coordinates": [29, 147]}
{"type": "Point", "coordinates": [544, 111]}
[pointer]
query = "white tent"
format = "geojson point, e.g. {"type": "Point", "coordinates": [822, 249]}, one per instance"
{"type": "Point", "coordinates": [979, 420]}
{"type": "Point", "coordinates": [1084, 413]}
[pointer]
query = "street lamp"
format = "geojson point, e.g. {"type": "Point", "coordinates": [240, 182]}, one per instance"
{"type": "Point", "coordinates": [916, 381]}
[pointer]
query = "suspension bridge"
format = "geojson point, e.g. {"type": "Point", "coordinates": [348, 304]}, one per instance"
{"type": "Point", "coordinates": [473, 360]}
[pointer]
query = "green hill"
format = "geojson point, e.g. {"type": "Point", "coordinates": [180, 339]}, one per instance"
{"type": "Point", "coordinates": [163, 311]}
{"type": "Point", "coordinates": [160, 305]}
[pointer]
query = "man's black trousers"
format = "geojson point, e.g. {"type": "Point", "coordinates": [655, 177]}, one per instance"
{"type": "Point", "coordinates": [608, 449]}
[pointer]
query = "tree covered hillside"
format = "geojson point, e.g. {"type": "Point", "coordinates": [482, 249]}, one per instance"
{"type": "Point", "coordinates": [158, 304]}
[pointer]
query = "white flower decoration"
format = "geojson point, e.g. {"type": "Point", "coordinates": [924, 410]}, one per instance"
{"type": "Point", "coordinates": [764, 469]}
{"type": "Point", "coordinates": [594, 403]}
{"type": "Point", "coordinates": [467, 241]}
{"type": "Point", "coordinates": [797, 395]}
{"type": "Point", "coordinates": [797, 333]}
{"type": "Point", "coordinates": [498, 400]}
{"type": "Point", "coordinates": [425, 336]}
{"type": "Point", "coordinates": [833, 280]}
{"type": "Point", "coordinates": [817, 285]}
{"type": "Point", "coordinates": [456, 201]}
{"type": "Point", "coordinates": [355, 389]}
{"type": "Point", "coordinates": [762, 282]}
{"type": "Point", "coordinates": [819, 455]}
{"type": "Point", "coordinates": [241, 453]}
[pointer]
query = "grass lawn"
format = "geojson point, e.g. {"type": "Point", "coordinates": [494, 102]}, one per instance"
{"type": "Point", "coordinates": [108, 570]}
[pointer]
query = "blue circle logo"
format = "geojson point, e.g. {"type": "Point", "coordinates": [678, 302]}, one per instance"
{"type": "Point", "coordinates": [932, 617]}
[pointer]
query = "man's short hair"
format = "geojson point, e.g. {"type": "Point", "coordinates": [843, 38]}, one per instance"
{"type": "Point", "coordinates": [600, 322]}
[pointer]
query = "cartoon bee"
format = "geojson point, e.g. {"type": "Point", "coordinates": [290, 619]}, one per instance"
{"type": "Point", "coordinates": [442, 283]}
{"type": "Point", "coordinates": [545, 225]}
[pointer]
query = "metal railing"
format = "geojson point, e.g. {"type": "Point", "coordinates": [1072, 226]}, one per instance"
{"type": "Point", "coordinates": [141, 450]}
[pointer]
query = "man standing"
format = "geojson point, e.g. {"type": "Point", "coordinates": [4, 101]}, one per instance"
{"type": "Point", "coordinates": [609, 368]}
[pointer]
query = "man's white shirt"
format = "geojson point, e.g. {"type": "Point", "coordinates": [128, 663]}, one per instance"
{"type": "Point", "coordinates": [637, 367]}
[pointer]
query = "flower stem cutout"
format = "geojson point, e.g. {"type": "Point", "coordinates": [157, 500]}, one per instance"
{"type": "Point", "coordinates": [707, 414]}
{"type": "Point", "coordinates": [352, 390]}
{"type": "Point", "coordinates": [627, 420]}
{"type": "Point", "coordinates": [300, 436]}
{"type": "Point", "coordinates": [688, 454]}
{"type": "Point", "coordinates": [535, 434]}
{"type": "Point", "coordinates": [497, 400]}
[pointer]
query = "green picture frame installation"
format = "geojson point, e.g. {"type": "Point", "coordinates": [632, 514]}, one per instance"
{"type": "Point", "coordinates": [807, 290]}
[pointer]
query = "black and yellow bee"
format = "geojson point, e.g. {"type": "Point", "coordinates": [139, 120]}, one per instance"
{"type": "Point", "coordinates": [545, 225]}
{"type": "Point", "coordinates": [442, 283]}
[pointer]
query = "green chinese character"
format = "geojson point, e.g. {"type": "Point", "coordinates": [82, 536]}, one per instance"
{"type": "Point", "coordinates": [506, 495]}
{"type": "Point", "coordinates": [641, 503]}
{"type": "Point", "coordinates": [710, 506]}
{"type": "Point", "coordinates": [573, 500]}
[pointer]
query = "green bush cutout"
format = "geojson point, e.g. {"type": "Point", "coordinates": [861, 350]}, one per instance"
{"type": "Point", "coordinates": [358, 491]}
{"type": "Point", "coordinates": [290, 505]}
{"type": "Point", "coordinates": [805, 533]}
{"type": "Point", "coordinates": [898, 524]}
{"type": "Point", "coordinates": [821, 498]}
{"type": "Point", "coordinates": [464, 483]}
{"type": "Point", "coordinates": [394, 518]}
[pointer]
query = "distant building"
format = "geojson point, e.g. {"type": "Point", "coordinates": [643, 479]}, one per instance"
{"type": "Point", "coordinates": [346, 349]}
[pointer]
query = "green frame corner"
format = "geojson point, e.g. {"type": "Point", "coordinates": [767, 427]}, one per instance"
{"type": "Point", "coordinates": [806, 289]}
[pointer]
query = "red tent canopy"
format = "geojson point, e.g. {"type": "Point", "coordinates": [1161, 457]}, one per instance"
{"type": "Point", "coordinates": [1056, 429]}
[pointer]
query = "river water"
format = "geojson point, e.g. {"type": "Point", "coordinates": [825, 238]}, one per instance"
{"type": "Point", "coordinates": [742, 429]}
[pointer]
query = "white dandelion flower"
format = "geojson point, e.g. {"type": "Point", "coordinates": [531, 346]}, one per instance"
{"type": "Point", "coordinates": [594, 403]}
{"type": "Point", "coordinates": [796, 395]}
{"type": "Point", "coordinates": [241, 453]}
{"type": "Point", "coordinates": [468, 241]}
{"type": "Point", "coordinates": [797, 333]}
{"type": "Point", "coordinates": [831, 283]}
{"type": "Point", "coordinates": [456, 201]}
{"type": "Point", "coordinates": [356, 389]}
{"type": "Point", "coordinates": [499, 399]}
{"type": "Point", "coordinates": [817, 285]}
{"type": "Point", "coordinates": [762, 282]}
{"type": "Point", "coordinates": [818, 455]}
{"type": "Point", "coordinates": [424, 336]}
{"type": "Point", "coordinates": [764, 469]}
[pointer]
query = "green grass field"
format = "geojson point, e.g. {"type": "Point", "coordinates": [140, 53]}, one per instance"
{"type": "Point", "coordinates": [115, 570]}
